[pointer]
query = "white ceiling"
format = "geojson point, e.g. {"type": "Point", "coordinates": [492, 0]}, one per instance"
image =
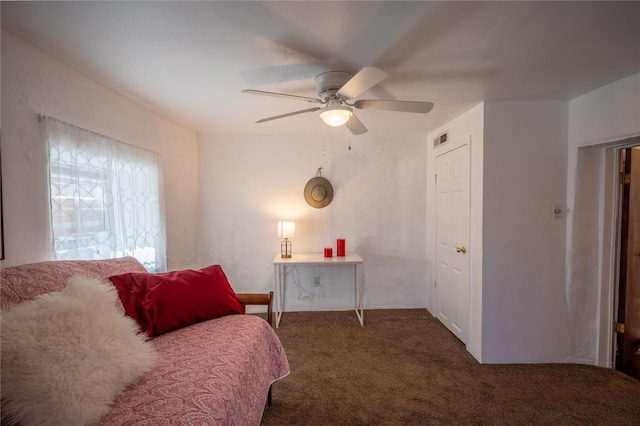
{"type": "Point", "coordinates": [189, 61]}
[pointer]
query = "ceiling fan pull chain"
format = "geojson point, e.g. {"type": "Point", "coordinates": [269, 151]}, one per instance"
{"type": "Point", "coordinates": [323, 139]}
{"type": "Point", "coordinates": [349, 124]}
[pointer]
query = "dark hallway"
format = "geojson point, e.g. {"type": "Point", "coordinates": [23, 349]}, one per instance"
{"type": "Point", "coordinates": [633, 367]}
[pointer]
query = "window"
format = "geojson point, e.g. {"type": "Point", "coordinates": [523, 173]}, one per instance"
{"type": "Point", "coordinates": [105, 197]}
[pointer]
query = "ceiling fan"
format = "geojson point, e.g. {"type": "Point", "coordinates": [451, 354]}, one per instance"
{"type": "Point", "coordinates": [336, 91]}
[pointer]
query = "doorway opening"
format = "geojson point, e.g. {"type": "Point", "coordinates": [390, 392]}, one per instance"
{"type": "Point", "coordinates": [627, 296]}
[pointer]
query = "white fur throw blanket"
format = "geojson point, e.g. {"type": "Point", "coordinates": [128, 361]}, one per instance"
{"type": "Point", "coordinates": [66, 355]}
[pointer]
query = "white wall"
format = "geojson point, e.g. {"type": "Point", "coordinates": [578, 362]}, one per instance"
{"type": "Point", "coordinates": [598, 122]}
{"type": "Point", "coordinates": [35, 83]}
{"type": "Point", "coordinates": [525, 315]}
{"type": "Point", "coordinates": [468, 128]}
{"type": "Point", "coordinates": [610, 113]}
{"type": "Point", "coordinates": [518, 310]}
{"type": "Point", "coordinates": [248, 183]}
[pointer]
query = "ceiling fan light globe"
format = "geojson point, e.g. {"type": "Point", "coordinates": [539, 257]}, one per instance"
{"type": "Point", "coordinates": [336, 117]}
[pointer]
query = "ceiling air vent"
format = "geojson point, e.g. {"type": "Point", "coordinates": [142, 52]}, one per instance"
{"type": "Point", "coordinates": [440, 139]}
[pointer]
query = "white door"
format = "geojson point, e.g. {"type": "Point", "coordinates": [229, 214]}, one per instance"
{"type": "Point", "coordinates": [452, 241]}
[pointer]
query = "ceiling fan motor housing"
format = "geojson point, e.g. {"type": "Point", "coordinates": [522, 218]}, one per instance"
{"type": "Point", "coordinates": [328, 83]}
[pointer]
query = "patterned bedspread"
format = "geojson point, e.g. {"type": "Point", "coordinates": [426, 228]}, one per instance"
{"type": "Point", "coordinates": [217, 372]}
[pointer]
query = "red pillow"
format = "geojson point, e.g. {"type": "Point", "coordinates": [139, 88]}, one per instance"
{"type": "Point", "coordinates": [163, 302]}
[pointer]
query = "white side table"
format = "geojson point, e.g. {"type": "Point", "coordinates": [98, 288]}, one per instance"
{"type": "Point", "coordinates": [279, 270]}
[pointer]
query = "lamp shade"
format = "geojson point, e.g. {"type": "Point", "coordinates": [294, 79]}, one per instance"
{"type": "Point", "coordinates": [286, 229]}
{"type": "Point", "coordinates": [335, 114]}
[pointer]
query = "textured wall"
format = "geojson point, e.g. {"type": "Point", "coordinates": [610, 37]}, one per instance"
{"type": "Point", "coordinates": [610, 113]}
{"type": "Point", "coordinates": [35, 83]}
{"type": "Point", "coordinates": [598, 121]}
{"type": "Point", "coordinates": [247, 184]}
{"type": "Point", "coordinates": [525, 312]}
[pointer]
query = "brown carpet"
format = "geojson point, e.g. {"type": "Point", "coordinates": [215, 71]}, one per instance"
{"type": "Point", "coordinates": [405, 368]}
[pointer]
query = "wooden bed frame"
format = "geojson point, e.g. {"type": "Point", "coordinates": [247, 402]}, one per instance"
{"type": "Point", "coordinates": [263, 299]}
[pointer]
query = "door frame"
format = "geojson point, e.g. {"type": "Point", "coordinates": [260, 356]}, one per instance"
{"type": "Point", "coordinates": [620, 284]}
{"type": "Point", "coordinates": [609, 250]}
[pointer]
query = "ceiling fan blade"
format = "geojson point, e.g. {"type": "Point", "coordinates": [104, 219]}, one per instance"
{"type": "Point", "coordinates": [283, 95]}
{"type": "Point", "coordinates": [355, 125]}
{"type": "Point", "coordinates": [402, 106]}
{"type": "Point", "coordinates": [365, 79]}
{"type": "Point", "coordinates": [275, 117]}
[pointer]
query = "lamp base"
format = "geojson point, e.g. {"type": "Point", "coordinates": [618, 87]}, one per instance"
{"type": "Point", "coordinates": [285, 249]}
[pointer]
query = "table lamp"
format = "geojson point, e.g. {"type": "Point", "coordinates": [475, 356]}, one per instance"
{"type": "Point", "coordinates": [286, 230]}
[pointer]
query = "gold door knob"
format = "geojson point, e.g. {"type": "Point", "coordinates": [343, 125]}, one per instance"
{"type": "Point", "coordinates": [461, 249]}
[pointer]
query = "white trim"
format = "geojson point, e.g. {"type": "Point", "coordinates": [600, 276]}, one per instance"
{"type": "Point", "coordinates": [608, 261]}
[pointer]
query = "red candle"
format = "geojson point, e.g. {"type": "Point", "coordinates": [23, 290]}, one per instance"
{"type": "Point", "coordinates": [328, 252]}
{"type": "Point", "coordinates": [340, 247]}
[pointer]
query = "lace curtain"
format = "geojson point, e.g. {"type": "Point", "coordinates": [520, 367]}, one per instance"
{"type": "Point", "coordinates": [106, 197]}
